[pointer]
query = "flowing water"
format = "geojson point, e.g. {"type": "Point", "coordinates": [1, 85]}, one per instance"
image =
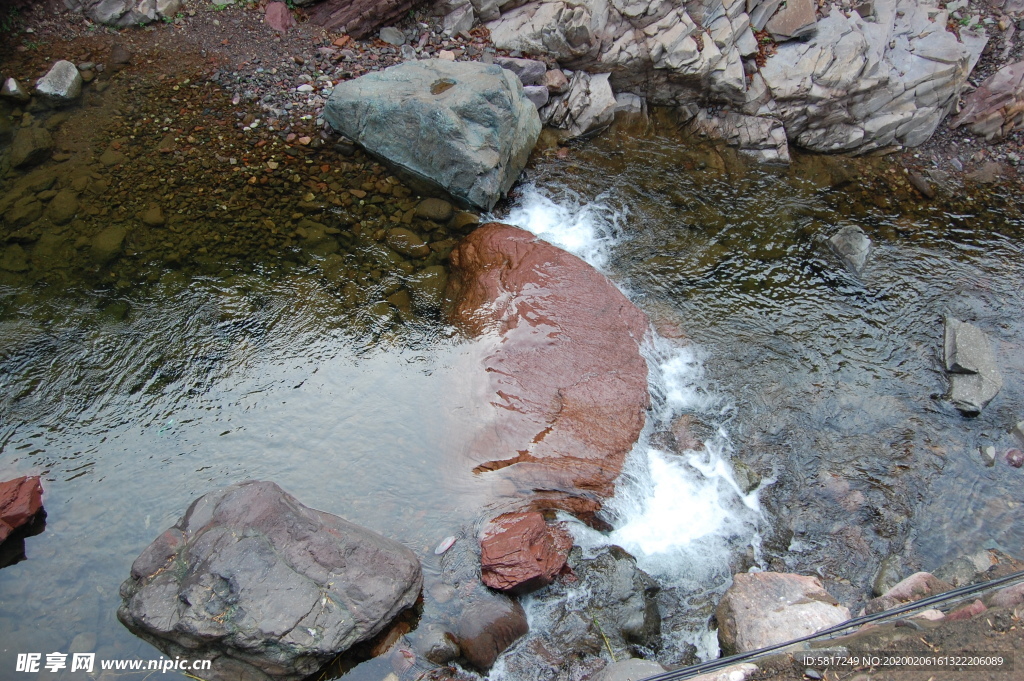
{"type": "Point", "coordinates": [819, 440]}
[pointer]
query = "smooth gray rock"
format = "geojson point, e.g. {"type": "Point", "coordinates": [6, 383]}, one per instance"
{"type": "Point", "coordinates": [538, 94]}
{"type": "Point", "coordinates": [588, 105]}
{"type": "Point", "coordinates": [264, 586]}
{"type": "Point", "coordinates": [628, 103]}
{"type": "Point", "coordinates": [61, 85]}
{"type": "Point", "coordinates": [529, 71]}
{"type": "Point", "coordinates": [464, 128]}
{"type": "Point", "coordinates": [458, 20]}
{"type": "Point", "coordinates": [633, 669]}
{"type": "Point", "coordinates": [973, 375]}
{"type": "Point", "coordinates": [852, 246]}
{"type": "Point", "coordinates": [13, 91]}
{"type": "Point", "coordinates": [392, 36]}
{"type": "Point", "coordinates": [1018, 431]}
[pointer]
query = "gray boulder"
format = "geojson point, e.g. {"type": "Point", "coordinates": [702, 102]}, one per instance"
{"type": "Point", "coordinates": [13, 91]}
{"type": "Point", "coordinates": [126, 12]}
{"type": "Point", "coordinates": [764, 608]}
{"type": "Point", "coordinates": [538, 94]}
{"type": "Point", "coordinates": [264, 586]}
{"type": "Point", "coordinates": [588, 106]}
{"type": "Point", "coordinates": [973, 376]}
{"type": "Point", "coordinates": [61, 85]}
{"type": "Point", "coordinates": [464, 128]}
{"type": "Point", "coordinates": [529, 71]}
{"type": "Point", "coordinates": [852, 246]}
{"type": "Point", "coordinates": [633, 669]}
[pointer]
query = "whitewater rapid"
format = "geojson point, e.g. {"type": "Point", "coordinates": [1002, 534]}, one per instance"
{"type": "Point", "coordinates": [682, 515]}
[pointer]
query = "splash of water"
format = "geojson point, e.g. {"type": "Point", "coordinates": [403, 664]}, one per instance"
{"type": "Point", "coordinates": [681, 514]}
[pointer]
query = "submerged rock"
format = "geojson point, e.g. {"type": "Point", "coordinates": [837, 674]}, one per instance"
{"type": "Point", "coordinates": [562, 367]}
{"type": "Point", "coordinates": [12, 90]}
{"type": "Point", "coordinates": [764, 608]}
{"type": "Point", "coordinates": [463, 128]}
{"type": "Point", "coordinates": [266, 587]}
{"type": "Point", "coordinates": [973, 376]}
{"type": "Point", "coordinates": [852, 246]}
{"type": "Point", "coordinates": [31, 146]}
{"type": "Point", "coordinates": [21, 500]}
{"type": "Point", "coordinates": [488, 625]}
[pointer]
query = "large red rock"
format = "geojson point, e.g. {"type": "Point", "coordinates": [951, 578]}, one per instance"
{"type": "Point", "coordinates": [20, 500]}
{"type": "Point", "coordinates": [520, 553]}
{"type": "Point", "coordinates": [561, 367]}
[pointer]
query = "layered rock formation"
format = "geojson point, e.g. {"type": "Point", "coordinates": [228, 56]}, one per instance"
{"type": "Point", "coordinates": [463, 128]}
{"type": "Point", "coordinates": [266, 587]}
{"type": "Point", "coordinates": [562, 367]}
{"type": "Point", "coordinates": [847, 83]}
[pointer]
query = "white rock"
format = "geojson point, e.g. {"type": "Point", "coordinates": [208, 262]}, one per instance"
{"type": "Point", "coordinates": [61, 85]}
{"type": "Point", "coordinates": [13, 91]}
{"type": "Point", "coordinates": [589, 105]}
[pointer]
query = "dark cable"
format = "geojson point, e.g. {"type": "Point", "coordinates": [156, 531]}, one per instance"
{"type": "Point", "coordinates": [955, 594]}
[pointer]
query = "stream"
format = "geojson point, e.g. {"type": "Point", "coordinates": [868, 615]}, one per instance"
{"type": "Point", "coordinates": [821, 442]}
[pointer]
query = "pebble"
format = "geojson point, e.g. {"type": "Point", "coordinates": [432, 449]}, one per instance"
{"type": "Point", "coordinates": [445, 544]}
{"type": "Point", "coordinates": [988, 455]}
{"type": "Point", "coordinates": [1015, 458]}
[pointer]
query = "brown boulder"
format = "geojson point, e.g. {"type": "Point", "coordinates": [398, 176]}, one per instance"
{"type": "Point", "coordinates": [520, 553]}
{"type": "Point", "coordinates": [764, 608]}
{"type": "Point", "coordinates": [360, 18]}
{"type": "Point", "coordinates": [561, 367]}
{"type": "Point", "coordinates": [489, 624]}
{"type": "Point", "coordinates": [20, 500]}
{"type": "Point", "coordinates": [915, 587]}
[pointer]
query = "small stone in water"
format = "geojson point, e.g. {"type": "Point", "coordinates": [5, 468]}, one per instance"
{"type": "Point", "coordinates": [1015, 458]}
{"type": "Point", "coordinates": [812, 673]}
{"type": "Point", "coordinates": [446, 544]}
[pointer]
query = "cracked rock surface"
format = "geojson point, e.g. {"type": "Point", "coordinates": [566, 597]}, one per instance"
{"type": "Point", "coordinates": [264, 586]}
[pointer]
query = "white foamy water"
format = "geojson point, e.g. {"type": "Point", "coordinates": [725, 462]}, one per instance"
{"type": "Point", "coordinates": [682, 515]}
{"type": "Point", "coordinates": [586, 229]}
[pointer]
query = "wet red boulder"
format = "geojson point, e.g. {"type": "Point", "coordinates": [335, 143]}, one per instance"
{"type": "Point", "coordinates": [520, 552]}
{"type": "Point", "coordinates": [20, 500]}
{"type": "Point", "coordinates": [561, 367]}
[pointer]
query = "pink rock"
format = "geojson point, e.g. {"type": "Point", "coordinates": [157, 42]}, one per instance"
{"type": "Point", "coordinates": [520, 553]}
{"type": "Point", "coordinates": [915, 587]}
{"type": "Point", "coordinates": [279, 17]}
{"type": "Point", "coordinates": [20, 500]}
{"type": "Point", "coordinates": [1015, 458]}
{"type": "Point", "coordinates": [1010, 597]}
{"type": "Point", "coordinates": [996, 108]}
{"type": "Point", "coordinates": [966, 612]}
{"type": "Point", "coordinates": [764, 608]}
{"type": "Point", "coordinates": [561, 367]}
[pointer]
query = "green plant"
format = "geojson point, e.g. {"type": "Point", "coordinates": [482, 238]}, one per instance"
{"type": "Point", "coordinates": [9, 21]}
{"type": "Point", "coordinates": [220, 7]}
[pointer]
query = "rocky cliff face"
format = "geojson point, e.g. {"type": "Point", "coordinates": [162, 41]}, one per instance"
{"type": "Point", "coordinates": [833, 80]}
